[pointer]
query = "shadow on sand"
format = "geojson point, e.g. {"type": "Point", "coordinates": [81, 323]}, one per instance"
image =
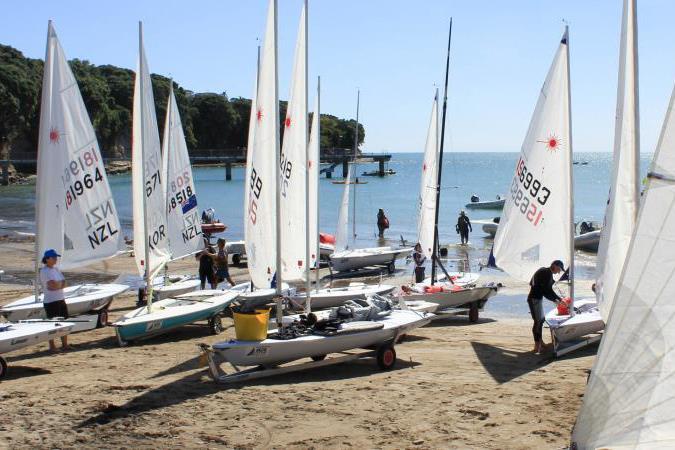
{"type": "Point", "coordinates": [457, 321]}
{"type": "Point", "coordinates": [194, 386]}
{"type": "Point", "coordinates": [15, 372]}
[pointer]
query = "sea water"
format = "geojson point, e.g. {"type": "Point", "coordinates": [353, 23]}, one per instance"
{"type": "Point", "coordinates": [484, 174]}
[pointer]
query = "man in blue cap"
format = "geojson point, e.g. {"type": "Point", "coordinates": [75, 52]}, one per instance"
{"type": "Point", "coordinates": [54, 302]}
{"type": "Point", "coordinates": [541, 285]}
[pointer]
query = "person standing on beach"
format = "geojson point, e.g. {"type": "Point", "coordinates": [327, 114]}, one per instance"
{"type": "Point", "coordinates": [541, 285]}
{"type": "Point", "coordinates": [206, 272]}
{"type": "Point", "coordinates": [222, 268]}
{"type": "Point", "coordinates": [382, 222]}
{"type": "Point", "coordinates": [463, 227]}
{"type": "Point", "coordinates": [420, 259]}
{"type": "Point", "coordinates": [54, 301]}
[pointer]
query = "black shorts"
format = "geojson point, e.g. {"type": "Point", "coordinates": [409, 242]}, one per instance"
{"type": "Point", "coordinates": [207, 275]}
{"type": "Point", "coordinates": [56, 309]}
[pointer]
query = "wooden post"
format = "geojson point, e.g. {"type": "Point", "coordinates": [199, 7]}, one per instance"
{"type": "Point", "coordinates": [345, 167]}
{"type": "Point", "coordinates": [5, 172]}
{"type": "Point", "coordinates": [381, 170]}
{"type": "Point", "coordinates": [228, 171]}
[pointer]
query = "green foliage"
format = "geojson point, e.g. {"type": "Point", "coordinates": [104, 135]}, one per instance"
{"type": "Point", "coordinates": [210, 121]}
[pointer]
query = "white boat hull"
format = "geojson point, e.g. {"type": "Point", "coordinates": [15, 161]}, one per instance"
{"type": "Point", "coordinates": [588, 241]}
{"type": "Point", "coordinates": [331, 297]}
{"type": "Point", "coordinates": [272, 352]}
{"type": "Point", "coordinates": [14, 336]}
{"type": "Point", "coordinates": [80, 299]}
{"type": "Point", "coordinates": [162, 290]}
{"type": "Point", "coordinates": [569, 328]}
{"type": "Point", "coordinates": [494, 204]}
{"type": "Point", "coordinates": [366, 257]}
{"type": "Point", "coordinates": [454, 299]}
{"type": "Point", "coordinates": [171, 313]}
{"type": "Point", "coordinates": [458, 278]}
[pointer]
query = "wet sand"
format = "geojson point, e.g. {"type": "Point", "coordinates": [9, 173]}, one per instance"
{"type": "Point", "coordinates": [455, 385]}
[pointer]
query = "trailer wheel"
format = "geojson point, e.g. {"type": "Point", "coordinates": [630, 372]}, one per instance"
{"type": "Point", "coordinates": [3, 368]}
{"type": "Point", "coordinates": [318, 357]}
{"type": "Point", "coordinates": [391, 267]}
{"type": "Point", "coordinates": [473, 312]}
{"type": "Point", "coordinates": [236, 259]}
{"type": "Point", "coordinates": [386, 357]}
{"type": "Point", "coordinates": [216, 324]}
{"type": "Point", "coordinates": [102, 320]}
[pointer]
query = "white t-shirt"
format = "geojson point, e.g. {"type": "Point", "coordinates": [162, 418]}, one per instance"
{"type": "Point", "coordinates": [51, 274]}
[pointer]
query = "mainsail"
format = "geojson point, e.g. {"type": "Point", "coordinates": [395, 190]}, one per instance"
{"type": "Point", "coordinates": [428, 183]}
{"type": "Point", "coordinates": [292, 167]}
{"type": "Point", "coordinates": [342, 234]}
{"type": "Point", "coordinates": [536, 225]}
{"type": "Point", "coordinates": [150, 229]}
{"type": "Point", "coordinates": [75, 211]}
{"type": "Point", "coordinates": [262, 162]}
{"type": "Point", "coordinates": [182, 214]}
{"type": "Point", "coordinates": [629, 401]}
{"type": "Point", "coordinates": [624, 198]}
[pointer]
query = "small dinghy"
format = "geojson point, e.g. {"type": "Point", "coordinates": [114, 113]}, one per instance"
{"type": "Point", "coordinates": [14, 336]}
{"type": "Point", "coordinates": [80, 299]}
{"type": "Point", "coordinates": [331, 297]}
{"type": "Point", "coordinates": [475, 203]}
{"type": "Point", "coordinates": [588, 242]}
{"type": "Point", "coordinates": [447, 296]}
{"type": "Point", "coordinates": [360, 258]}
{"type": "Point", "coordinates": [566, 328]}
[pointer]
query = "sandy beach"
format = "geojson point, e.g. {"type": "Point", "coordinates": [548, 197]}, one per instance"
{"type": "Point", "coordinates": [456, 385]}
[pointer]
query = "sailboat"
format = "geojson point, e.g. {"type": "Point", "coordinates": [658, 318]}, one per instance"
{"type": "Point", "coordinates": [628, 401]}
{"type": "Point", "coordinates": [282, 345]}
{"type": "Point", "coordinates": [164, 223]}
{"type": "Point", "coordinates": [452, 290]}
{"type": "Point", "coordinates": [622, 208]}
{"type": "Point", "coordinates": [75, 212]}
{"type": "Point", "coordinates": [346, 258]}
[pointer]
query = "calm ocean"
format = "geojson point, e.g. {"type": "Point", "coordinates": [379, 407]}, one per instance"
{"type": "Point", "coordinates": [486, 174]}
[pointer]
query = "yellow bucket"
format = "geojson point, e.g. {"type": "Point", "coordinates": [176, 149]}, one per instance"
{"type": "Point", "coordinates": [251, 327]}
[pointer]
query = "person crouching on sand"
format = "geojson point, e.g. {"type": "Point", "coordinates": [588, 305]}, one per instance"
{"type": "Point", "coordinates": [541, 285]}
{"type": "Point", "coordinates": [54, 302]}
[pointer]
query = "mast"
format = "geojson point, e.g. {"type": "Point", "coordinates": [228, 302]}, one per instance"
{"type": "Point", "coordinates": [166, 157]}
{"type": "Point", "coordinates": [318, 169]}
{"type": "Point", "coordinates": [308, 280]}
{"type": "Point", "coordinates": [434, 256]}
{"type": "Point", "coordinates": [146, 243]}
{"type": "Point", "coordinates": [571, 172]}
{"type": "Point", "coordinates": [356, 147]}
{"type": "Point", "coordinates": [277, 175]}
{"type": "Point", "coordinates": [636, 112]}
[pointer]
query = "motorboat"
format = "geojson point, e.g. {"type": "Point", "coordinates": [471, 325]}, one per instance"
{"type": "Point", "coordinates": [476, 203]}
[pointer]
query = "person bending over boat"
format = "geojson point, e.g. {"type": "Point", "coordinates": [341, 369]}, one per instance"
{"type": "Point", "coordinates": [420, 259]}
{"type": "Point", "coordinates": [463, 227]}
{"type": "Point", "coordinates": [54, 301]}
{"type": "Point", "coordinates": [541, 285]}
{"type": "Point", "coordinates": [206, 272]}
{"type": "Point", "coordinates": [222, 268]}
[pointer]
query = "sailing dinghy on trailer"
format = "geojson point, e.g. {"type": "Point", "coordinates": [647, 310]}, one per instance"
{"type": "Point", "coordinates": [161, 217]}
{"type": "Point", "coordinates": [75, 212]}
{"type": "Point", "coordinates": [624, 198]}
{"type": "Point", "coordinates": [282, 345]}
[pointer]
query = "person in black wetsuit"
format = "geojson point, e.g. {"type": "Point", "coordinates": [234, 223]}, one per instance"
{"type": "Point", "coordinates": [206, 266]}
{"type": "Point", "coordinates": [420, 259]}
{"type": "Point", "coordinates": [541, 285]}
{"type": "Point", "coordinates": [463, 227]}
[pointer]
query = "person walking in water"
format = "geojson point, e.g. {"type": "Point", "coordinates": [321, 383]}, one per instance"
{"type": "Point", "coordinates": [382, 222]}
{"type": "Point", "coordinates": [541, 285]}
{"type": "Point", "coordinates": [420, 259]}
{"type": "Point", "coordinates": [463, 227]}
{"type": "Point", "coordinates": [54, 301]}
{"type": "Point", "coordinates": [222, 268]}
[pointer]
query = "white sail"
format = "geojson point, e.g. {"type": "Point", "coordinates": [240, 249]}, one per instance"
{"type": "Point", "coordinates": [342, 234]}
{"type": "Point", "coordinates": [624, 197]}
{"type": "Point", "coordinates": [313, 168]}
{"type": "Point", "coordinates": [75, 213]}
{"type": "Point", "coordinates": [630, 396]}
{"type": "Point", "coordinates": [536, 226]}
{"type": "Point", "coordinates": [292, 167]}
{"type": "Point", "coordinates": [260, 194]}
{"type": "Point", "coordinates": [182, 215]}
{"type": "Point", "coordinates": [150, 229]}
{"type": "Point", "coordinates": [429, 182]}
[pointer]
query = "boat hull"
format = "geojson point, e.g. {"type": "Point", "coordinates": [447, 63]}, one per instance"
{"type": "Point", "coordinates": [360, 258]}
{"type": "Point", "coordinates": [80, 300]}
{"type": "Point", "coordinates": [588, 320]}
{"type": "Point", "coordinates": [15, 336]}
{"type": "Point", "coordinates": [495, 204]}
{"type": "Point", "coordinates": [271, 352]}
{"type": "Point", "coordinates": [331, 297]}
{"type": "Point", "coordinates": [588, 241]}
{"type": "Point", "coordinates": [175, 289]}
{"type": "Point", "coordinates": [454, 299]}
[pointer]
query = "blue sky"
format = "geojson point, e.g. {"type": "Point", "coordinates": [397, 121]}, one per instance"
{"type": "Point", "coordinates": [392, 50]}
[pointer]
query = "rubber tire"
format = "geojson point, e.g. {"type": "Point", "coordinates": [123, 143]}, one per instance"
{"type": "Point", "coordinates": [102, 320]}
{"type": "Point", "coordinates": [473, 312]}
{"type": "Point", "coordinates": [318, 357]}
{"type": "Point", "coordinates": [391, 267]}
{"type": "Point", "coordinates": [216, 324]}
{"type": "Point", "coordinates": [236, 259]}
{"type": "Point", "coordinates": [3, 368]}
{"type": "Point", "coordinates": [386, 357]}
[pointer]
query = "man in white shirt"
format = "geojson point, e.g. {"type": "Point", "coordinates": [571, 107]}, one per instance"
{"type": "Point", "coordinates": [54, 302]}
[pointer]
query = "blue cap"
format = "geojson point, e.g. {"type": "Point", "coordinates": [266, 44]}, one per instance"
{"type": "Point", "coordinates": [51, 253]}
